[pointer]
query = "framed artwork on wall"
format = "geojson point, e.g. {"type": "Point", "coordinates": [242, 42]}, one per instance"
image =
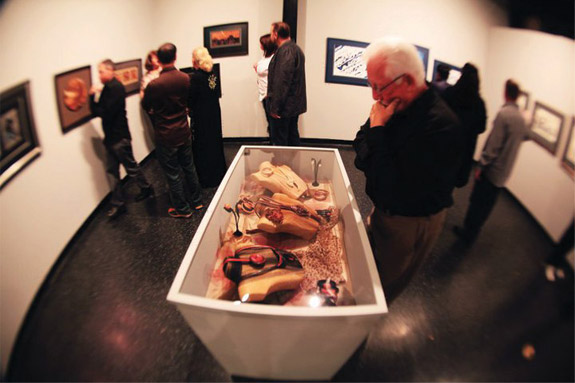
{"type": "Point", "coordinates": [344, 63]}
{"type": "Point", "coordinates": [227, 39]}
{"type": "Point", "coordinates": [568, 160]}
{"type": "Point", "coordinates": [546, 123]}
{"type": "Point", "coordinates": [72, 89]}
{"type": "Point", "coordinates": [523, 100]}
{"type": "Point", "coordinates": [454, 72]}
{"type": "Point", "coordinates": [19, 144]}
{"type": "Point", "coordinates": [129, 73]}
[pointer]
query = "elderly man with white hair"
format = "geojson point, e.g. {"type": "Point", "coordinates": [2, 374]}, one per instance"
{"type": "Point", "coordinates": [410, 150]}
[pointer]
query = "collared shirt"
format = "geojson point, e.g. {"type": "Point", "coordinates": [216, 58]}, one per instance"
{"type": "Point", "coordinates": [111, 107]}
{"type": "Point", "coordinates": [500, 150]}
{"type": "Point", "coordinates": [411, 163]}
{"type": "Point", "coordinates": [167, 98]}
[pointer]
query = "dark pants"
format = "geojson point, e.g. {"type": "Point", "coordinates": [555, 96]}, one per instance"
{"type": "Point", "coordinates": [172, 159]}
{"type": "Point", "coordinates": [481, 203]}
{"type": "Point", "coordinates": [400, 245]}
{"type": "Point", "coordinates": [121, 153]}
{"type": "Point", "coordinates": [283, 131]}
{"type": "Point", "coordinates": [265, 105]}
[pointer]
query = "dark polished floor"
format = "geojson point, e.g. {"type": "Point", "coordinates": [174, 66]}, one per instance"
{"type": "Point", "coordinates": [102, 315]}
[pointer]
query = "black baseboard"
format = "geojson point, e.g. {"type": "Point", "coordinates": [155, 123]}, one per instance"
{"type": "Point", "coordinates": [322, 142]}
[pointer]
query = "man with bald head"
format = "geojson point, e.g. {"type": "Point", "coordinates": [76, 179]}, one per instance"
{"type": "Point", "coordinates": [410, 151]}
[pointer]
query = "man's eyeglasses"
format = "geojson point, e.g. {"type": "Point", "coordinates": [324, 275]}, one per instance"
{"type": "Point", "coordinates": [378, 89]}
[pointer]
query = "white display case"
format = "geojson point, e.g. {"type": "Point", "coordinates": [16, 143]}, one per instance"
{"type": "Point", "coordinates": [273, 341]}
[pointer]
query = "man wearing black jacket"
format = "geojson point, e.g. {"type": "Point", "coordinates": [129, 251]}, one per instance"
{"type": "Point", "coordinates": [111, 107]}
{"type": "Point", "coordinates": [410, 151]}
{"type": "Point", "coordinates": [286, 87]}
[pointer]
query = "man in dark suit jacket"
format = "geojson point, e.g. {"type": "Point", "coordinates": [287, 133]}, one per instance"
{"type": "Point", "coordinates": [111, 107]}
{"type": "Point", "coordinates": [286, 87]}
{"type": "Point", "coordinates": [167, 98]}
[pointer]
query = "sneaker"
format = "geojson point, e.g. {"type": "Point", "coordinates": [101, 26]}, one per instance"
{"type": "Point", "coordinates": [175, 214]}
{"type": "Point", "coordinates": [116, 211]}
{"type": "Point", "coordinates": [145, 193]}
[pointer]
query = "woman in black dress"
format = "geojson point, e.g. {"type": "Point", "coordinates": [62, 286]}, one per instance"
{"type": "Point", "coordinates": [206, 120]}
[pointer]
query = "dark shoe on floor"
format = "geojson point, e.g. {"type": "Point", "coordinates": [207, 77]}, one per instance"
{"type": "Point", "coordinates": [116, 211]}
{"type": "Point", "coordinates": [461, 233]}
{"type": "Point", "coordinates": [176, 214]}
{"type": "Point", "coordinates": [145, 193]}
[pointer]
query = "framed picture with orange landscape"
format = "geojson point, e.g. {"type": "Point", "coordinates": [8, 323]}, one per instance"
{"type": "Point", "coordinates": [227, 39]}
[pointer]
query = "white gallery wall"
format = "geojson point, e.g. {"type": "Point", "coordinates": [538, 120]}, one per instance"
{"type": "Point", "coordinates": [454, 31]}
{"type": "Point", "coordinates": [544, 66]}
{"type": "Point", "coordinates": [45, 204]}
{"type": "Point", "coordinates": [182, 22]}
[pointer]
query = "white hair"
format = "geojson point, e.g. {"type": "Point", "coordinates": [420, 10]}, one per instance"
{"type": "Point", "coordinates": [400, 57]}
{"type": "Point", "coordinates": [202, 57]}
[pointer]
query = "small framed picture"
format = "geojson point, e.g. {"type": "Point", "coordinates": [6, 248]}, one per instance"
{"type": "Point", "coordinates": [19, 144]}
{"type": "Point", "coordinates": [568, 160]}
{"type": "Point", "coordinates": [454, 72]}
{"type": "Point", "coordinates": [227, 39]}
{"type": "Point", "coordinates": [546, 123]}
{"type": "Point", "coordinates": [344, 62]}
{"type": "Point", "coordinates": [129, 73]}
{"type": "Point", "coordinates": [72, 89]}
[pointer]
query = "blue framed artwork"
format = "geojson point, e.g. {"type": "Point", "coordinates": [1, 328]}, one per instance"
{"type": "Point", "coordinates": [454, 73]}
{"type": "Point", "coordinates": [424, 56]}
{"type": "Point", "coordinates": [344, 63]}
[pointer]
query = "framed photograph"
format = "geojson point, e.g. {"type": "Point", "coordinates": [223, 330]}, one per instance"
{"type": "Point", "coordinates": [523, 100]}
{"type": "Point", "coordinates": [227, 39]}
{"type": "Point", "coordinates": [454, 72]}
{"type": "Point", "coordinates": [72, 89]}
{"type": "Point", "coordinates": [546, 123]}
{"type": "Point", "coordinates": [129, 73]}
{"type": "Point", "coordinates": [424, 56]}
{"type": "Point", "coordinates": [18, 139]}
{"type": "Point", "coordinates": [215, 71]}
{"type": "Point", "coordinates": [568, 160]}
{"type": "Point", "coordinates": [344, 63]}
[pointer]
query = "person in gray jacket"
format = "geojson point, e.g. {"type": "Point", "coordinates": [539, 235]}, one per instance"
{"type": "Point", "coordinates": [286, 87]}
{"type": "Point", "coordinates": [497, 160]}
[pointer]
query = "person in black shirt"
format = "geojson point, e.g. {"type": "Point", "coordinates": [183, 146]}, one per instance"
{"type": "Point", "coordinates": [464, 99]}
{"type": "Point", "coordinates": [409, 150]}
{"type": "Point", "coordinates": [111, 107]}
{"type": "Point", "coordinates": [286, 87]}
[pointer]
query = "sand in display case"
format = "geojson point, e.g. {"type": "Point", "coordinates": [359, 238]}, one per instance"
{"type": "Point", "coordinates": [280, 268]}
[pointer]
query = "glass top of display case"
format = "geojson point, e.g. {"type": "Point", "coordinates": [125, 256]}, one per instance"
{"type": "Point", "coordinates": [283, 234]}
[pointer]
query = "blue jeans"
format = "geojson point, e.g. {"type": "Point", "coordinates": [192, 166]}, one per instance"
{"type": "Point", "coordinates": [283, 131]}
{"type": "Point", "coordinates": [172, 160]}
{"type": "Point", "coordinates": [121, 153]}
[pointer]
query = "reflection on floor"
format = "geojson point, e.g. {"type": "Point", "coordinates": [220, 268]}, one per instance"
{"type": "Point", "coordinates": [483, 313]}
